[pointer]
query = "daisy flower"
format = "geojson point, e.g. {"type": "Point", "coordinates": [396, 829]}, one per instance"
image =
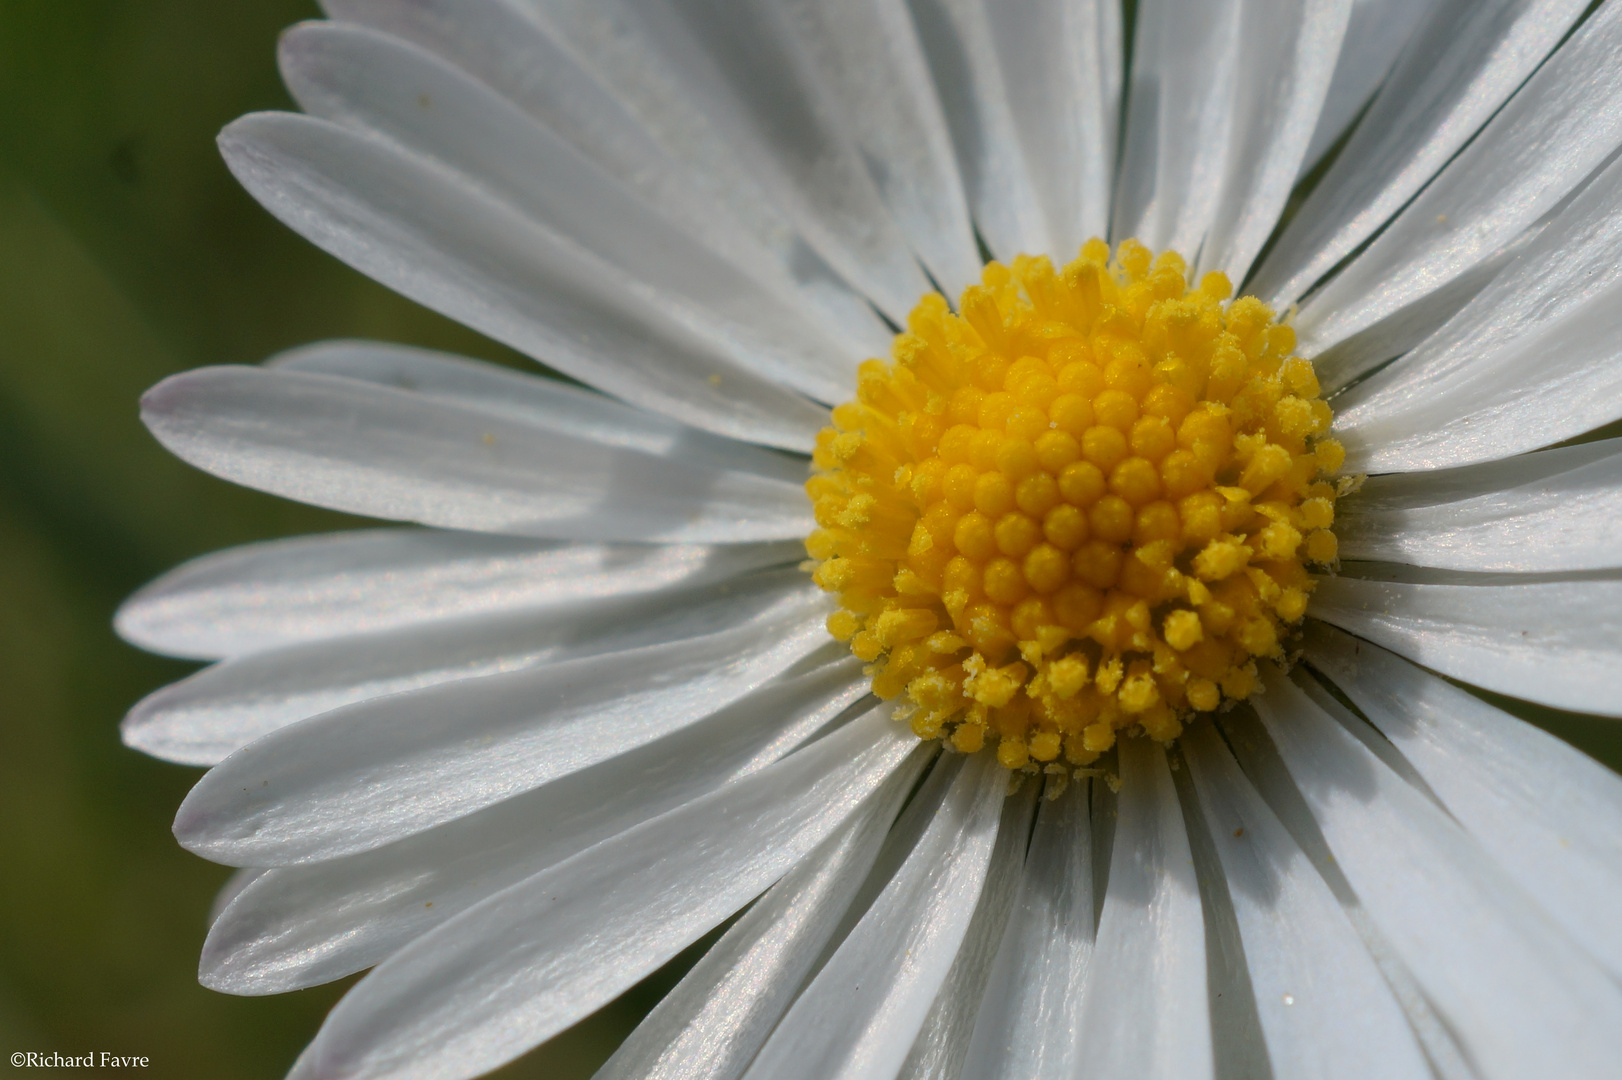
{"type": "Point", "coordinates": [1116, 725]}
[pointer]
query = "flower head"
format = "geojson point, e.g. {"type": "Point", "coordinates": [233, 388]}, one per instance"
{"type": "Point", "coordinates": [1114, 727]}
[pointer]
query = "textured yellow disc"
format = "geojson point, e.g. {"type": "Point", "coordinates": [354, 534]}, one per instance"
{"type": "Point", "coordinates": [1082, 504]}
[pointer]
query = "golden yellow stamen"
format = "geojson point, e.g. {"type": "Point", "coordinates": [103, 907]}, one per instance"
{"type": "Point", "coordinates": [1082, 505]}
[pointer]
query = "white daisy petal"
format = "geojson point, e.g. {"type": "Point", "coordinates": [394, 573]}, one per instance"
{"type": "Point", "coordinates": [452, 246]}
{"type": "Point", "coordinates": [509, 49]}
{"type": "Point", "coordinates": [716, 1019]}
{"type": "Point", "coordinates": [535, 400]}
{"type": "Point", "coordinates": [387, 453]}
{"type": "Point", "coordinates": [1456, 71]}
{"type": "Point", "coordinates": [1146, 1014]}
{"type": "Point", "coordinates": [1179, 121]}
{"type": "Point", "coordinates": [725, 83]}
{"type": "Point", "coordinates": [860, 1014]}
{"type": "Point", "coordinates": [1248, 739]}
{"type": "Point", "coordinates": [306, 925]}
{"type": "Point", "coordinates": [1287, 51]}
{"type": "Point", "coordinates": [1465, 930]}
{"type": "Point", "coordinates": [378, 84]}
{"type": "Point", "coordinates": [533, 959]}
{"type": "Point", "coordinates": [957, 37]}
{"type": "Point", "coordinates": [201, 719]}
{"type": "Point", "coordinates": [1530, 361]}
{"type": "Point", "coordinates": [308, 588]}
{"type": "Point", "coordinates": [1031, 93]}
{"type": "Point", "coordinates": [942, 1044]}
{"type": "Point", "coordinates": [1238, 1045]}
{"type": "Point", "coordinates": [1505, 637]}
{"type": "Point", "coordinates": [1375, 36]}
{"type": "Point", "coordinates": [1551, 136]}
{"type": "Point", "coordinates": [1323, 1007]}
{"type": "Point", "coordinates": [1557, 510]}
{"type": "Point", "coordinates": [233, 887]}
{"type": "Point", "coordinates": [1549, 814]}
{"type": "Point", "coordinates": [368, 774]}
{"type": "Point", "coordinates": [1366, 350]}
{"type": "Point", "coordinates": [864, 60]}
{"type": "Point", "coordinates": [1031, 1010]}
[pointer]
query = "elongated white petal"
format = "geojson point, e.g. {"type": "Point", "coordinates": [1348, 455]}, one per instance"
{"type": "Point", "coordinates": [1456, 71]}
{"type": "Point", "coordinates": [1530, 361]}
{"type": "Point", "coordinates": [942, 1044]}
{"type": "Point", "coordinates": [1238, 1045]}
{"type": "Point", "coordinates": [1366, 350]}
{"type": "Point", "coordinates": [1505, 637]}
{"type": "Point", "coordinates": [1556, 510]}
{"type": "Point", "coordinates": [508, 47]}
{"type": "Point", "coordinates": [865, 62]}
{"type": "Point", "coordinates": [282, 592]}
{"type": "Point", "coordinates": [1031, 92]}
{"type": "Point", "coordinates": [1462, 926]}
{"type": "Point", "coordinates": [238, 881]}
{"type": "Point", "coordinates": [1324, 1009]}
{"type": "Point", "coordinates": [1247, 737]}
{"type": "Point", "coordinates": [1287, 52]}
{"type": "Point", "coordinates": [371, 773]}
{"type": "Point", "coordinates": [533, 959]}
{"type": "Point", "coordinates": [532, 399]}
{"type": "Point", "coordinates": [375, 83]}
{"type": "Point", "coordinates": [388, 453]}
{"type": "Point", "coordinates": [1179, 121]}
{"type": "Point", "coordinates": [716, 1019]}
{"type": "Point", "coordinates": [1031, 1009]}
{"type": "Point", "coordinates": [1551, 136]}
{"type": "Point", "coordinates": [221, 709]}
{"type": "Point", "coordinates": [1146, 1015]}
{"type": "Point", "coordinates": [437, 238]}
{"type": "Point", "coordinates": [720, 88]}
{"type": "Point", "coordinates": [1375, 36]}
{"type": "Point", "coordinates": [1550, 815]}
{"type": "Point", "coordinates": [860, 1014]}
{"type": "Point", "coordinates": [306, 925]}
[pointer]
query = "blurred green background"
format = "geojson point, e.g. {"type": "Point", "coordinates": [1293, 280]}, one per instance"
{"type": "Point", "coordinates": [127, 253]}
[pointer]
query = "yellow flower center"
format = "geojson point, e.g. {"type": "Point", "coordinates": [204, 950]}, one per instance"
{"type": "Point", "coordinates": [1082, 505]}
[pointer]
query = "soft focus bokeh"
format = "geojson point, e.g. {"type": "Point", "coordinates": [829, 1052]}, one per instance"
{"type": "Point", "coordinates": [128, 253]}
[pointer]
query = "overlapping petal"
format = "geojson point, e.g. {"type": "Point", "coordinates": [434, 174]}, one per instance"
{"type": "Point", "coordinates": [1558, 510]}
{"type": "Point", "coordinates": [1323, 1006]}
{"type": "Point", "coordinates": [1031, 1008]}
{"type": "Point", "coordinates": [1546, 142]}
{"type": "Point", "coordinates": [201, 719]}
{"type": "Point", "coordinates": [1505, 636]}
{"type": "Point", "coordinates": [1549, 815]}
{"type": "Point", "coordinates": [303, 925]}
{"type": "Point", "coordinates": [373, 772]}
{"type": "Point", "coordinates": [1148, 970]}
{"type": "Point", "coordinates": [508, 973]}
{"type": "Point", "coordinates": [389, 453]}
{"type": "Point", "coordinates": [1454, 916]}
{"type": "Point", "coordinates": [691, 181]}
{"type": "Point", "coordinates": [283, 592]}
{"type": "Point", "coordinates": [861, 1012]}
{"type": "Point", "coordinates": [1460, 66]}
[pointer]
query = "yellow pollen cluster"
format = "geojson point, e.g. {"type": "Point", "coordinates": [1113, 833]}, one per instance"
{"type": "Point", "coordinates": [1084, 504]}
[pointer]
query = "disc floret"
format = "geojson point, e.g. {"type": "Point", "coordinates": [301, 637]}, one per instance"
{"type": "Point", "coordinates": [1082, 504]}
